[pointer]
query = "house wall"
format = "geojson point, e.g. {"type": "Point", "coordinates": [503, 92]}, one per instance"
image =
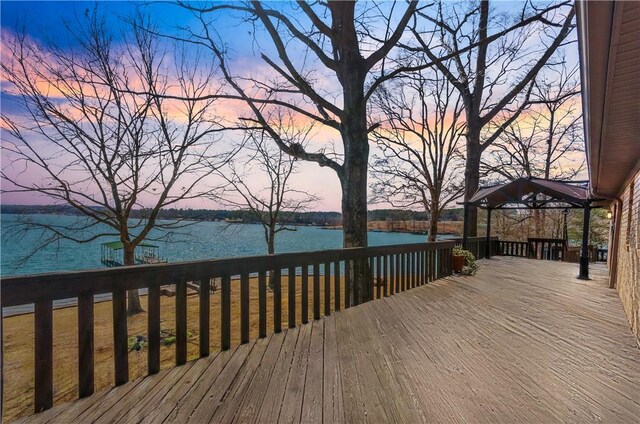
{"type": "Point", "coordinates": [628, 262]}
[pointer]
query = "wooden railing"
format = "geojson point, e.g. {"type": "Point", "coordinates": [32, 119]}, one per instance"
{"type": "Point", "coordinates": [477, 246]}
{"type": "Point", "coordinates": [547, 249]}
{"type": "Point", "coordinates": [391, 269]}
{"type": "Point", "coordinates": [513, 248]}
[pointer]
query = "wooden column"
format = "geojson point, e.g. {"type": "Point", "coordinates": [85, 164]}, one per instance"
{"type": "Point", "coordinates": [487, 245]}
{"type": "Point", "coordinates": [584, 254]}
{"type": "Point", "coordinates": [465, 225]}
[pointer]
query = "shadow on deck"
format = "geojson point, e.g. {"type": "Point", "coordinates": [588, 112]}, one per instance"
{"type": "Point", "coordinates": [523, 341]}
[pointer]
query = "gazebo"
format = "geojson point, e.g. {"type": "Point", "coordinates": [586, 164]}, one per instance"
{"type": "Point", "coordinates": [535, 193]}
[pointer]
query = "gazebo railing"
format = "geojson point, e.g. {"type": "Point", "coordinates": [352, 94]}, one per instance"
{"type": "Point", "coordinates": [513, 248]}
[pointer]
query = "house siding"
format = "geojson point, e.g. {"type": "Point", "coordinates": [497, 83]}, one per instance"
{"type": "Point", "coordinates": [628, 263]}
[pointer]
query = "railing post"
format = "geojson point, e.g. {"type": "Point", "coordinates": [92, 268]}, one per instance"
{"type": "Point", "coordinates": [181, 322]}
{"type": "Point", "coordinates": [43, 318]}
{"type": "Point", "coordinates": [336, 290]}
{"type": "Point", "coordinates": [244, 308]}
{"type": "Point", "coordinates": [291, 299]}
{"type": "Point", "coordinates": [85, 345]}
{"type": "Point", "coordinates": [153, 329]}
{"type": "Point", "coordinates": [304, 303]}
{"type": "Point", "coordinates": [277, 300]}
{"type": "Point", "coordinates": [204, 312]}
{"type": "Point", "coordinates": [120, 336]}
{"type": "Point", "coordinates": [225, 312]}
{"type": "Point", "coordinates": [584, 254]}
{"type": "Point", "coordinates": [327, 288]}
{"type": "Point", "coordinates": [316, 291]}
{"type": "Point", "coordinates": [487, 245]}
{"type": "Point", "coordinates": [262, 304]}
{"type": "Point", "coordinates": [465, 225]}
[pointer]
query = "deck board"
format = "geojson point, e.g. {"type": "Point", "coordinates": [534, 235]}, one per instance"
{"type": "Point", "coordinates": [522, 341]}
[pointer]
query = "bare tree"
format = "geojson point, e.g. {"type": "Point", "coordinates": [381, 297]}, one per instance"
{"type": "Point", "coordinates": [495, 78]}
{"type": "Point", "coordinates": [83, 140]}
{"type": "Point", "coordinates": [323, 63]}
{"type": "Point", "coordinates": [273, 204]}
{"type": "Point", "coordinates": [419, 145]}
{"type": "Point", "coordinates": [546, 141]}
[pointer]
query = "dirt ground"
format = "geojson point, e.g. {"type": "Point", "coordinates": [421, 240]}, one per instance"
{"type": "Point", "coordinates": [19, 341]}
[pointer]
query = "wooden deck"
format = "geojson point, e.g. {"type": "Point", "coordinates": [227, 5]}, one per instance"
{"type": "Point", "coordinates": [523, 341]}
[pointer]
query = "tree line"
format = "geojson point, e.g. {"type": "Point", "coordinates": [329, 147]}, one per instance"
{"type": "Point", "coordinates": [318, 218]}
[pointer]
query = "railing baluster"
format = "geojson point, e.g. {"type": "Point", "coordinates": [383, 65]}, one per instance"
{"type": "Point", "coordinates": [291, 302]}
{"type": "Point", "coordinates": [262, 304]}
{"type": "Point", "coordinates": [120, 337]}
{"type": "Point", "coordinates": [411, 276]}
{"type": "Point", "coordinates": [433, 265]}
{"type": "Point", "coordinates": [204, 315]}
{"type": "Point", "coordinates": [336, 289]}
{"type": "Point", "coordinates": [85, 345]}
{"type": "Point", "coordinates": [316, 291]}
{"type": "Point", "coordinates": [398, 272]}
{"type": "Point", "coordinates": [347, 284]}
{"type": "Point", "coordinates": [392, 275]}
{"type": "Point", "coordinates": [277, 301]}
{"type": "Point", "coordinates": [425, 267]}
{"type": "Point", "coordinates": [379, 276]}
{"type": "Point", "coordinates": [181, 322]}
{"type": "Point", "coordinates": [225, 312]}
{"type": "Point", "coordinates": [43, 350]}
{"type": "Point", "coordinates": [305, 293]}
{"type": "Point", "coordinates": [153, 329]}
{"type": "Point", "coordinates": [403, 267]}
{"type": "Point", "coordinates": [372, 277]}
{"type": "Point", "coordinates": [244, 308]}
{"type": "Point", "coordinates": [385, 275]}
{"type": "Point", "coordinates": [327, 289]}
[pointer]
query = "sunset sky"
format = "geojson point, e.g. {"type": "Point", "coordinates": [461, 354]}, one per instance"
{"type": "Point", "coordinates": [42, 22]}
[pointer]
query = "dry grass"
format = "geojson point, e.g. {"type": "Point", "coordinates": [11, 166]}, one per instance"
{"type": "Point", "coordinates": [19, 340]}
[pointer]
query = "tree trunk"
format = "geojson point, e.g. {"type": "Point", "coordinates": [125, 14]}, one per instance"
{"type": "Point", "coordinates": [472, 178]}
{"type": "Point", "coordinates": [433, 226]}
{"type": "Point", "coordinates": [271, 249]}
{"type": "Point", "coordinates": [354, 224]}
{"type": "Point", "coordinates": [134, 306]}
{"type": "Point", "coordinates": [353, 178]}
{"type": "Point", "coordinates": [537, 220]}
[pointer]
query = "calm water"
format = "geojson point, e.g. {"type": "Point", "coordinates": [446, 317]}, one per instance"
{"type": "Point", "coordinates": [202, 240]}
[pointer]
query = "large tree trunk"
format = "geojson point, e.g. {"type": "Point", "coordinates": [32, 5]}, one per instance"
{"type": "Point", "coordinates": [134, 306]}
{"type": "Point", "coordinates": [354, 132]}
{"type": "Point", "coordinates": [354, 217]}
{"type": "Point", "coordinates": [433, 223]}
{"type": "Point", "coordinates": [472, 179]}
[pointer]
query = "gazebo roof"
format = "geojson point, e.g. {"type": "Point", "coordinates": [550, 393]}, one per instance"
{"type": "Point", "coordinates": [533, 193]}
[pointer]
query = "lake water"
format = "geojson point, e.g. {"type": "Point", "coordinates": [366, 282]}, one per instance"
{"type": "Point", "coordinates": [202, 240]}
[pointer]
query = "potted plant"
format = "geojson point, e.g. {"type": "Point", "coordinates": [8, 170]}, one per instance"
{"type": "Point", "coordinates": [463, 261]}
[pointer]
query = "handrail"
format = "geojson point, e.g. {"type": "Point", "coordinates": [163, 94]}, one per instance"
{"type": "Point", "coordinates": [387, 270]}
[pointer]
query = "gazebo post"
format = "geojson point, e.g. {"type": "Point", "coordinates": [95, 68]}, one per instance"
{"type": "Point", "coordinates": [584, 254]}
{"type": "Point", "coordinates": [465, 223]}
{"type": "Point", "coordinates": [487, 245]}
